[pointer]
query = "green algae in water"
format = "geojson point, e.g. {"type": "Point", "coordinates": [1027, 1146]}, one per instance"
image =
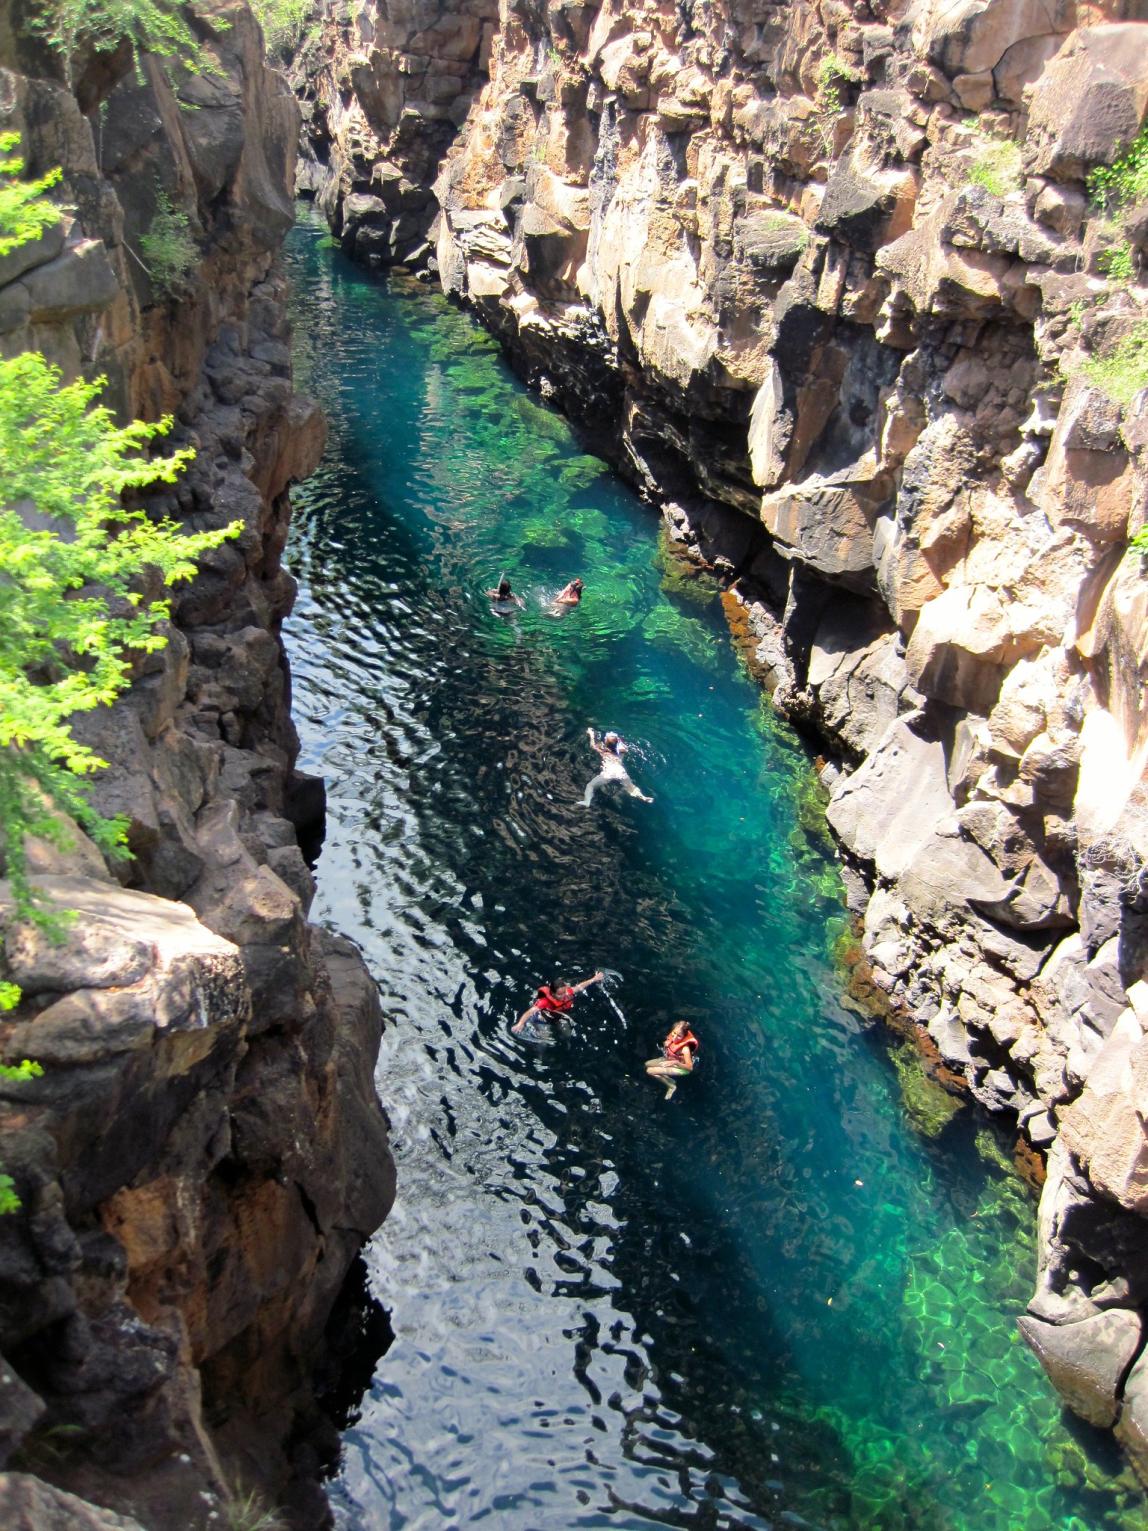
{"type": "Point", "coordinates": [671, 629]}
{"type": "Point", "coordinates": [592, 525]}
{"type": "Point", "coordinates": [581, 472]}
{"type": "Point", "coordinates": [545, 532]}
{"type": "Point", "coordinates": [930, 1107]}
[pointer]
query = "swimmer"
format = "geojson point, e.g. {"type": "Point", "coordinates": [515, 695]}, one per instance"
{"type": "Point", "coordinates": [571, 595]}
{"type": "Point", "coordinates": [503, 598]}
{"type": "Point", "coordinates": [679, 1054]}
{"type": "Point", "coordinates": [610, 750]}
{"type": "Point", "coordinates": [555, 999]}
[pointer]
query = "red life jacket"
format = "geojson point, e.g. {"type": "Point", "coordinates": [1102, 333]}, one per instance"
{"type": "Point", "coordinates": [673, 1047]}
{"type": "Point", "coordinates": [545, 999]}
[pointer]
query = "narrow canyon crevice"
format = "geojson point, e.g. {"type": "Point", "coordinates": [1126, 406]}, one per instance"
{"type": "Point", "coordinates": [828, 284]}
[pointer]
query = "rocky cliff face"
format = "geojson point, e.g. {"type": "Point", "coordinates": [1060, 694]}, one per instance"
{"type": "Point", "coordinates": [826, 282]}
{"type": "Point", "coordinates": [205, 1152]}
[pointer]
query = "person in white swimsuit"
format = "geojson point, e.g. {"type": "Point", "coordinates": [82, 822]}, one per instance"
{"type": "Point", "coordinates": [610, 750]}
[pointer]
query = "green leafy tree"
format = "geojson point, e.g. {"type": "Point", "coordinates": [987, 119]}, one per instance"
{"type": "Point", "coordinates": [158, 27]}
{"type": "Point", "coordinates": [24, 212]}
{"type": "Point", "coordinates": [285, 23]}
{"type": "Point", "coordinates": [71, 611]}
{"type": "Point", "coordinates": [73, 562]}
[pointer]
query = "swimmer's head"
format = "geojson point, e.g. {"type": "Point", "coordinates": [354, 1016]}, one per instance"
{"type": "Point", "coordinates": [503, 588]}
{"type": "Point", "coordinates": [611, 739]}
{"type": "Point", "coordinates": [576, 584]}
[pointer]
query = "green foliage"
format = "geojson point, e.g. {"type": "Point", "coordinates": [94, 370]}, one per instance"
{"type": "Point", "coordinates": [1116, 263]}
{"type": "Point", "coordinates": [785, 225]}
{"type": "Point", "coordinates": [24, 214]}
{"type": "Point", "coordinates": [285, 24]}
{"type": "Point", "coordinates": [168, 248]}
{"type": "Point", "coordinates": [1124, 183]}
{"type": "Point", "coordinates": [832, 72]}
{"type": "Point", "coordinates": [248, 1510]}
{"type": "Point", "coordinates": [1123, 371]}
{"type": "Point", "coordinates": [1138, 542]}
{"type": "Point", "coordinates": [996, 165]}
{"type": "Point", "coordinates": [13, 1073]}
{"type": "Point", "coordinates": [158, 27]}
{"type": "Point", "coordinates": [71, 614]}
{"type": "Point", "coordinates": [16, 1073]}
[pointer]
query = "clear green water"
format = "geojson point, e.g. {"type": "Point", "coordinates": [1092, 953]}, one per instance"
{"type": "Point", "coordinates": [771, 1301]}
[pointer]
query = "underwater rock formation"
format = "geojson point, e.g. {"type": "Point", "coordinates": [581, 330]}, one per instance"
{"type": "Point", "coordinates": [205, 1152]}
{"type": "Point", "coordinates": [827, 283]}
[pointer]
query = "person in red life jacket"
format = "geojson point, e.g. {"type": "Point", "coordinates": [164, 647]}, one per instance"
{"type": "Point", "coordinates": [679, 1054]}
{"type": "Point", "coordinates": [553, 1000]}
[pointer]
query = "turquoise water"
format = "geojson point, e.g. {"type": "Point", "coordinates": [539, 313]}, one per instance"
{"type": "Point", "coordinates": [788, 1295]}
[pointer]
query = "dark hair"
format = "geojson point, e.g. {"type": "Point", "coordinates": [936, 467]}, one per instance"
{"type": "Point", "coordinates": [578, 583]}
{"type": "Point", "coordinates": [503, 587]}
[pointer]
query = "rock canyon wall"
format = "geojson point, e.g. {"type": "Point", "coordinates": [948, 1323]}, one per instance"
{"type": "Point", "coordinates": [827, 282]}
{"type": "Point", "coordinates": [205, 1152]}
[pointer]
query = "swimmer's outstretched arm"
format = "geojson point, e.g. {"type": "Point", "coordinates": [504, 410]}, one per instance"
{"type": "Point", "coordinates": [524, 1017]}
{"type": "Point", "coordinates": [586, 982]}
{"type": "Point", "coordinates": [596, 744]}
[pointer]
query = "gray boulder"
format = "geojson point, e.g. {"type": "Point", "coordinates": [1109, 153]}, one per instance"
{"type": "Point", "coordinates": [1086, 1361]}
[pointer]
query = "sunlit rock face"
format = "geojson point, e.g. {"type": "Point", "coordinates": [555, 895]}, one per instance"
{"type": "Point", "coordinates": [204, 1152]}
{"type": "Point", "coordinates": [832, 274]}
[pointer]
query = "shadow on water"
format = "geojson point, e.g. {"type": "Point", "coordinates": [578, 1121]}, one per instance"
{"type": "Point", "coordinates": [768, 1301]}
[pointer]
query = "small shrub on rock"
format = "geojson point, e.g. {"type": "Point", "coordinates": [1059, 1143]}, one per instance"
{"type": "Point", "coordinates": [996, 165]}
{"type": "Point", "coordinates": [1123, 370]}
{"type": "Point", "coordinates": [168, 248]}
{"type": "Point", "coordinates": [1125, 182]}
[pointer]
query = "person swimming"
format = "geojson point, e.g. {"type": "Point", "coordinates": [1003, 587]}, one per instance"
{"type": "Point", "coordinates": [610, 750]}
{"type": "Point", "coordinates": [552, 1000]}
{"type": "Point", "coordinates": [503, 598]}
{"type": "Point", "coordinates": [679, 1054]}
{"type": "Point", "coordinates": [570, 595]}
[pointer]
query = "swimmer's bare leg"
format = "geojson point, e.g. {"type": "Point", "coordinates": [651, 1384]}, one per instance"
{"type": "Point", "coordinates": [592, 787]}
{"type": "Point", "coordinates": [635, 791]}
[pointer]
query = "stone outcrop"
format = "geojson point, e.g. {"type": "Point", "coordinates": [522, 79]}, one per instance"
{"type": "Point", "coordinates": [204, 1152]}
{"type": "Point", "coordinates": [827, 284]}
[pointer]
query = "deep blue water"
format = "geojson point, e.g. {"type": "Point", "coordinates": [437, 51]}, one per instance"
{"type": "Point", "coordinates": [781, 1298]}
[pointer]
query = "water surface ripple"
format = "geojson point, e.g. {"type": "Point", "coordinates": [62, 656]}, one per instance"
{"type": "Point", "coordinates": [780, 1299]}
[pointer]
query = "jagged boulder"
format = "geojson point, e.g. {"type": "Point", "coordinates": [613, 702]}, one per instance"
{"type": "Point", "coordinates": [1086, 1360]}
{"type": "Point", "coordinates": [1104, 1126]}
{"type": "Point", "coordinates": [889, 807]}
{"type": "Point", "coordinates": [1089, 102]}
{"type": "Point", "coordinates": [28, 1504]}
